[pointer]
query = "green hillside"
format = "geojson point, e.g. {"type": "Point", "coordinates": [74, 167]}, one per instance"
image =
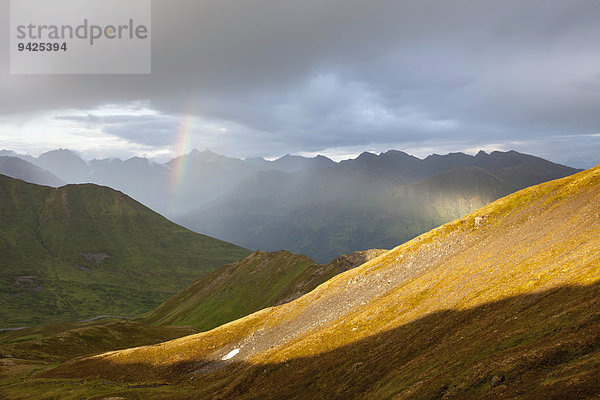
{"type": "Point", "coordinates": [84, 250]}
{"type": "Point", "coordinates": [258, 281]}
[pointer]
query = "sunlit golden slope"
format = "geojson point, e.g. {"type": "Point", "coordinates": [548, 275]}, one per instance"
{"type": "Point", "coordinates": [500, 303]}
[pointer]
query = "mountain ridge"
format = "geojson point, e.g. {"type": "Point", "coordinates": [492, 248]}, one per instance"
{"type": "Point", "coordinates": [197, 168]}
{"type": "Point", "coordinates": [260, 280]}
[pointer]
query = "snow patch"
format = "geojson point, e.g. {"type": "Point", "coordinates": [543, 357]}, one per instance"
{"type": "Point", "coordinates": [231, 354]}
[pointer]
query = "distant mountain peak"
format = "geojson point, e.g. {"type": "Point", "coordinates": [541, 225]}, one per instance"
{"type": "Point", "coordinates": [138, 161]}
{"type": "Point", "coordinates": [396, 152]}
{"type": "Point", "coordinates": [7, 153]}
{"type": "Point", "coordinates": [397, 155]}
{"type": "Point", "coordinates": [66, 164]}
{"type": "Point", "coordinates": [62, 152]}
{"type": "Point", "coordinates": [207, 152]}
{"type": "Point", "coordinates": [206, 155]}
{"type": "Point", "coordinates": [323, 158]}
{"type": "Point", "coordinates": [255, 160]}
{"type": "Point", "coordinates": [62, 155]}
{"type": "Point", "coordinates": [366, 155]}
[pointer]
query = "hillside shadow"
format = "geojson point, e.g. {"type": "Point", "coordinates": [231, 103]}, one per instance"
{"type": "Point", "coordinates": [541, 345]}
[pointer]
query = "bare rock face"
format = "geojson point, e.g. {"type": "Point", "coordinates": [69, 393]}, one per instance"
{"type": "Point", "coordinates": [497, 380]}
{"type": "Point", "coordinates": [481, 221]}
{"type": "Point", "coordinates": [353, 260]}
{"type": "Point", "coordinates": [98, 257]}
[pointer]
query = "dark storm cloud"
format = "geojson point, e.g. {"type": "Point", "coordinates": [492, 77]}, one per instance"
{"type": "Point", "coordinates": [309, 75]}
{"type": "Point", "coordinates": [150, 130]}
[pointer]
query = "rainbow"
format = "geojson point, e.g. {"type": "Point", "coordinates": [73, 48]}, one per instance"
{"type": "Point", "coordinates": [181, 148]}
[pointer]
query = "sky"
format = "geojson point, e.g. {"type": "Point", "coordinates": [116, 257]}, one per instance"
{"type": "Point", "coordinates": [250, 78]}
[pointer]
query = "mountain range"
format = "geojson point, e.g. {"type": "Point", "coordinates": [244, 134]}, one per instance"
{"type": "Point", "coordinates": [500, 303]}
{"type": "Point", "coordinates": [172, 188]}
{"type": "Point", "coordinates": [369, 202]}
{"type": "Point", "coordinates": [311, 206]}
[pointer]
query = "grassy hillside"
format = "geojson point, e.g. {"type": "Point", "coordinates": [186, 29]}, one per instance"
{"type": "Point", "coordinates": [82, 250]}
{"type": "Point", "coordinates": [502, 303]}
{"type": "Point", "coordinates": [258, 281]}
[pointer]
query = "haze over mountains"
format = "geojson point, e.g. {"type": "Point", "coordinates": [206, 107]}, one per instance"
{"type": "Point", "coordinates": [311, 206]}
{"type": "Point", "coordinates": [20, 169]}
{"type": "Point", "coordinates": [172, 188]}
{"type": "Point", "coordinates": [501, 303]}
{"type": "Point", "coordinates": [373, 201]}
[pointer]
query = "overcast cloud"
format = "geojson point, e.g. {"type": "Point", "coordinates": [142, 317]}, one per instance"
{"type": "Point", "coordinates": [269, 77]}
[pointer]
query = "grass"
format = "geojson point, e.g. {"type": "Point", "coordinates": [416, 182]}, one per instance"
{"type": "Point", "coordinates": [92, 390]}
{"type": "Point", "coordinates": [453, 353]}
{"type": "Point", "coordinates": [258, 281]}
{"type": "Point", "coordinates": [84, 250]}
{"type": "Point", "coordinates": [61, 342]}
{"type": "Point", "coordinates": [30, 351]}
{"type": "Point", "coordinates": [232, 291]}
